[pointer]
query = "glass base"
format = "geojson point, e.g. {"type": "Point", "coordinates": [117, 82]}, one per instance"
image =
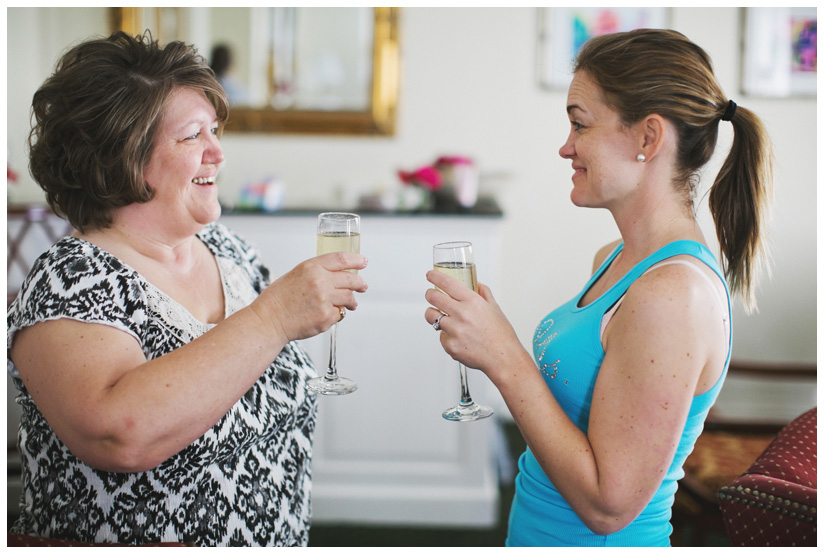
{"type": "Point", "coordinates": [467, 413]}
{"type": "Point", "coordinates": [334, 386]}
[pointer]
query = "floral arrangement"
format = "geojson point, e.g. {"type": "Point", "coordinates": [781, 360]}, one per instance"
{"type": "Point", "coordinates": [427, 177]}
{"type": "Point", "coordinates": [448, 177]}
{"type": "Point", "coordinates": [434, 176]}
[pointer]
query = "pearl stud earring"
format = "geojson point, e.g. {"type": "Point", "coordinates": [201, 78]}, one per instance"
{"type": "Point", "coordinates": [640, 158]}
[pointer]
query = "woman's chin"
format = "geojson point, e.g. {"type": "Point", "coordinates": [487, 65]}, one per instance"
{"type": "Point", "coordinates": [215, 214]}
{"type": "Point", "coordinates": [208, 213]}
{"type": "Point", "coordinates": [577, 198]}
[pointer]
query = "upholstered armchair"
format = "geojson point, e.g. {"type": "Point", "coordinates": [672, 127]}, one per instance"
{"type": "Point", "coordinates": [774, 502]}
{"type": "Point", "coordinates": [726, 449]}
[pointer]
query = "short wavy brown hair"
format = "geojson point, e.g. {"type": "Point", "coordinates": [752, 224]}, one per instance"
{"type": "Point", "coordinates": [96, 119]}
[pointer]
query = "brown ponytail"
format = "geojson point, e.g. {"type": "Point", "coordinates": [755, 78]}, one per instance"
{"type": "Point", "coordinates": [739, 202]}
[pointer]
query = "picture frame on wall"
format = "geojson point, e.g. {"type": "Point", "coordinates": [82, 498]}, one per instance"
{"type": "Point", "coordinates": [562, 31]}
{"type": "Point", "coordinates": [779, 52]}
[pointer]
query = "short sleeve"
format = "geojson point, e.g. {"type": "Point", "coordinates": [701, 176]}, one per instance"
{"type": "Point", "coordinates": [77, 280]}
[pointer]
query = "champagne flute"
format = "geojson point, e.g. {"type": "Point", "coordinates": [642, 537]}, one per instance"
{"type": "Point", "coordinates": [337, 232]}
{"type": "Point", "coordinates": [456, 260]}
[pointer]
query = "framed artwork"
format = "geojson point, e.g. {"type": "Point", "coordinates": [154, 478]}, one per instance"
{"type": "Point", "coordinates": [562, 31]}
{"type": "Point", "coordinates": [779, 52]}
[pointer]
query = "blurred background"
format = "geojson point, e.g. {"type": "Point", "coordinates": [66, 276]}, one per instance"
{"type": "Point", "coordinates": [483, 87]}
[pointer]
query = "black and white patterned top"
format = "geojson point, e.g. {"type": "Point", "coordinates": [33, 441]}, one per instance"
{"type": "Point", "coordinates": [246, 481]}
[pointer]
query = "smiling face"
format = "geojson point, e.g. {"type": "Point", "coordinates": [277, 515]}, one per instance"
{"type": "Point", "coordinates": [185, 161]}
{"type": "Point", "coordinates": [601, 149]}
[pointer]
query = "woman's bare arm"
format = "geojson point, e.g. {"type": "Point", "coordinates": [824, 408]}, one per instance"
{"type": "Point", "coordinates": [658, 347]}
{"type": "Point", "coordinates": [117, 411]}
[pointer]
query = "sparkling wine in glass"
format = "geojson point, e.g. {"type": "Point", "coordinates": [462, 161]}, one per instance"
{"type": "Point", "coordinates": [456, 260]}
{"type": "Point", "coordinates": [337, 232]}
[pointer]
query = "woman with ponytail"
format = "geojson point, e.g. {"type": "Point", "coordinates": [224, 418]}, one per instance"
{"type": "Point", "coordinates": [621, 377]}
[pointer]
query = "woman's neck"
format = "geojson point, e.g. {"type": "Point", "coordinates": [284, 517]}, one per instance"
{"type": "Point", "coordinates": [647, 226]}
{"type": "Point", "coordinates": [140, 244]}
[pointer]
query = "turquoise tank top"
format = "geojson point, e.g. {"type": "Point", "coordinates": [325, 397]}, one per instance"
{"type": "Point", "coordinates": [567, 348]}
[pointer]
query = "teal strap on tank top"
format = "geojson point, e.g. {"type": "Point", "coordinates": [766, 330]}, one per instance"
{"type": "Point", "coordinates": [683, 247]}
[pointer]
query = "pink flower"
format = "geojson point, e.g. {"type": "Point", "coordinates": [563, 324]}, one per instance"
{"type": "Point", "coordinates": [427, 177]}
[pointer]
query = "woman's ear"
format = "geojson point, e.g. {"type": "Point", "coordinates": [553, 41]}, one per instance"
{"type": "Point", "coordinates": [654, 135]}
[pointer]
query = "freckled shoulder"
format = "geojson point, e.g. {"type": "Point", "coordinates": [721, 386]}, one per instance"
{"type": "Point", "coordinates": [672, 293]}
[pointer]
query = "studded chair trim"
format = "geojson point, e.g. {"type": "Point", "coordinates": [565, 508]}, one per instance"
{"type": "Point", "coordinates": [759, 494]}
{"type": "Point", "coordinates": [774, 502]}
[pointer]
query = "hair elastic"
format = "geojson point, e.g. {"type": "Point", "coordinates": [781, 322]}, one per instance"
{"type": "Point", "coordinates": [729, 111]}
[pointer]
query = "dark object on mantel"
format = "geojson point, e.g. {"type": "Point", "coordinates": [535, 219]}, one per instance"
{"type": "Point", "coordinates": [485, 207]}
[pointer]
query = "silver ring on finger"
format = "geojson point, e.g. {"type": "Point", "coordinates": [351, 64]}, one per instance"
{"type": "Point", "coordinates": [437, 323]}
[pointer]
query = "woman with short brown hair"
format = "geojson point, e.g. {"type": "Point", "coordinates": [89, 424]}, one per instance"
{"type": "Point", "coordinates": [96, 117]}
{"type": "Point", "coordinates": [162, 388]}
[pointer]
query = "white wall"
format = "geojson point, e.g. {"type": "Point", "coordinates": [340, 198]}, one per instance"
{"type": "Point", "coordinates": [469, 87]}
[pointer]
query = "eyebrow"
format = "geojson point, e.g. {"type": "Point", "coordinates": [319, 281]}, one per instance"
{"type": "Point", "coordinates": [196, 121]}
{"type": "Point", "coordinates": [572, 107]}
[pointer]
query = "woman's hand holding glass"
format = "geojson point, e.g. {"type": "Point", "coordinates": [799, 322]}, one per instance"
{"type": "Point", "coordinates": [337, 232]}
{"type": "Point", "coordinates": [304, 302]}
{"type": "Point", "coordinates": [477, 333]}
{"type": "Point", "coordinates": [455, 259]}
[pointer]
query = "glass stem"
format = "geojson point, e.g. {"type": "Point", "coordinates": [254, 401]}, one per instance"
{"type": "Point", "coordinates": [332, 369]}
{"type": "Point", "coordinates": [465, 389]}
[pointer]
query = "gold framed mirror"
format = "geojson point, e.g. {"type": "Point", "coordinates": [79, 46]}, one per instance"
{"type": "Point", "coordinates": [375, 114]}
